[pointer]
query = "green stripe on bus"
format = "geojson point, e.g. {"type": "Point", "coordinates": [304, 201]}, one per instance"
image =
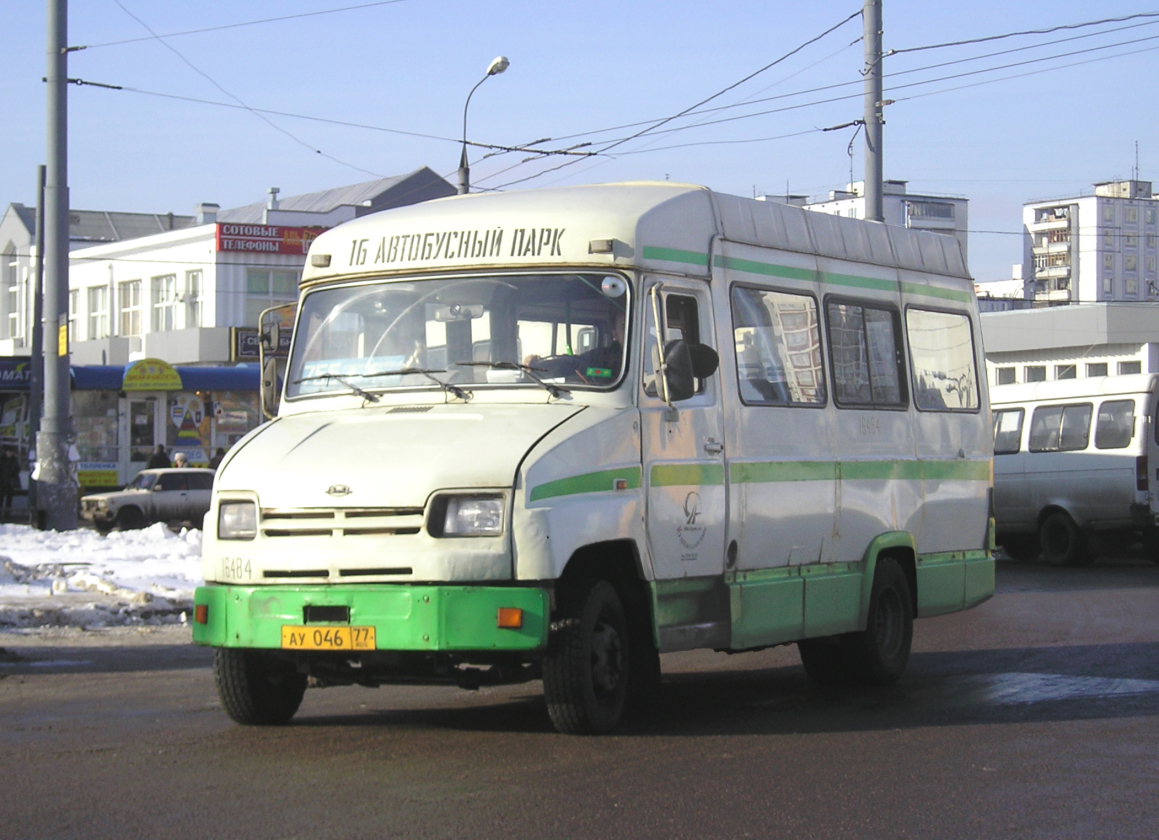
{"type": "Point", "coordinates": [596, 482]}
{"type": "Point", "coordinates": [680, 475]}
{"type": "Point", "coordinates": [766, 472]}
{"type": "Point", "coordinates": [676, 255]}
{"type": "Point", "coordinates": [833, 279]}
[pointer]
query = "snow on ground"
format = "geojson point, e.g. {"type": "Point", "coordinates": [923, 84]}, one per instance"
{"type": "Point", "coordinates": [82, 578]}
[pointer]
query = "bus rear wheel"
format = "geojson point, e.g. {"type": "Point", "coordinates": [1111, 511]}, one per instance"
{"type": "Point", "coordinates": [1062, 542]}
{"type": "Point", "coordinates": [587, 666]}
{"type": "Point", "coordinates": [257, 689]}
{"type": "Point", "coordinates": [881, 651]}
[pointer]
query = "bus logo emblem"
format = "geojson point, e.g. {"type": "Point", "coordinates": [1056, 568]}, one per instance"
{"type": "Point", "coordinates": [338, 490]}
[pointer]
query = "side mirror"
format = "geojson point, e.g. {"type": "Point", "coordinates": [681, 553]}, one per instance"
{"type": "Point", "coordinates": [270, 335]}
{"type": "Point", "coordinates": [704, 360]}
{"type": "Point", "coordinates": [678, 370]}
{"type": "Point", "coordinates": [270, 387]}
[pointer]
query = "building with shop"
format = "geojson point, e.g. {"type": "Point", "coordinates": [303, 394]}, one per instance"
{"type": "Point", "coordinates": [1088, 248]}
{"type": "Point", "coordinates": [1071, 342]}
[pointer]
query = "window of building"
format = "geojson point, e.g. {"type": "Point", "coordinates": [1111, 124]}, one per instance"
{"type": "Point", "coordinates": [1131, 240]}
{"type": "Point", "coordinates": [165, 302]}
{"type": "Point", "coordinates": [1108, 240]}
{"type": "Point", "coordinates": [1132, 214]}
{"type": "Point", "coordinates": [268, 287]}
{"type": "Point", "coordinates": [1131, 286]}
{"type": "Point", "coordinates": [1060, 428]}
{"type": "Point", "coordinates": [1116, 424]}
{"type": "Point", "coordinates": [1108, 212]}
{"type": "Point", "coordinates": [1035, 373]}
{"type": "Point", "coordinates": [1097, 369]}
{"type": "Point", "coordinates": [1005, 376]}
{"type": "Point", "coordinates": [1150, 215]}
{"type": "Point", "coordinates": [12, 296]}
{"type": "Point", "coordinates": [73, 313]}
{"type": "Point", "coordinates": [1150, 240]}
{"type": "Point", "coordinates": [1130, 262]}
{"type": "Point", "coordinates": [1150, 262]}
{"type": "Point", "coordinates": [1064, 371]}
{"type": "Point", "coordinates": [1008, 431]}
{"type": "Point", "coordinates": [865, 351]}
{"type": "Point", "coordinates": [1108, 286]}
{"type": "Point", "coordinates": [930, 209]}
{"type": "Point", "coordinates": [1108, 262]}
{"type": "Point", "coordinates": [777, 336]}
{"type": "Point", "coordinates": [129, 307]}
{"type": "Point", "coordinates": [941, 349]}
{"type": "Point", "coordinates": [192, 299]}
{"type": "Point", "coordinates": [98, 312]}
{"type": "Point", "coordinates": [1126, 368]}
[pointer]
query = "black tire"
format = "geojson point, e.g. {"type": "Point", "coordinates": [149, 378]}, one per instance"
{"type": "Point", "coordinates": [586, 672]}
{"type": "Point", "coordinates": [1062, 541]}
{"type": "Point", "coordinates": [1020, 546]}
{"type": "Point", "coordinates": [827, 661]}
{"type": "Point", "coordinates": [130, 519]}
{"type": "Point", "coordinates": [881, 651]}
{"type": "Point", "coordinates": [255, 688]}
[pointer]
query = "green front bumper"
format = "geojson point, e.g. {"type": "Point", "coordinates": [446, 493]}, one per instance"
{"type": "Point", "coordinates": [423, 618]}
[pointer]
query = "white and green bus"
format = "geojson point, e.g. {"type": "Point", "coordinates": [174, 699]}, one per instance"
{"type": "Point", "coordinates": [555, 434]}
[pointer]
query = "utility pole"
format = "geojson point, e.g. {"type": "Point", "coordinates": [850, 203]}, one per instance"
{"type": "Point", "coordinates": [871, 19]}
{"type": "Point", "coordinates": [36, 386]}
{"type": "Point", "coordinates": [56, 491]}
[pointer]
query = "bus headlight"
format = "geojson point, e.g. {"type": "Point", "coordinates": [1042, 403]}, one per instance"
{"type": "Point", "coordinates": [473, 516]}
{"type": "Point", "coordinates": [237, 521]}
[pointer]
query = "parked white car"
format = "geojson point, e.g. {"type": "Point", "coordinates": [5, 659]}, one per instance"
{"type": "Point", "coordinates": [165, 495]}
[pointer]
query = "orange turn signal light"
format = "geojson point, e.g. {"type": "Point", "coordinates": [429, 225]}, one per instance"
{"type": "Point", "coordinates": [201, 613]}
{"type": "Point", "coordinates": [510, 618]}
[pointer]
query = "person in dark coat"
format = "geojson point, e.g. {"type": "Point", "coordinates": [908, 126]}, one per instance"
{"type": "Point", "coordinates": [9, 478]}
{"type": "Point", "coordinates": [158, 460]}
{"type": "Point", "coordinates": [217, 458]}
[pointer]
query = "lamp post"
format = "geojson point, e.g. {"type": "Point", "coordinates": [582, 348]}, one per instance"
{"type": "Point", "coordinates": [493, 69]}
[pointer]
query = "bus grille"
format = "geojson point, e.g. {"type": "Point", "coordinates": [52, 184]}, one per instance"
{"type": "Point", "coordinates": [341, 522]}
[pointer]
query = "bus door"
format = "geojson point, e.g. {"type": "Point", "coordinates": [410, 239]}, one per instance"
{"type": "Point", "coordinates": [683, 445]}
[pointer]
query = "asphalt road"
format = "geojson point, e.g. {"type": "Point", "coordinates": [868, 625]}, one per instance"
{"type": "Point", "coordinates": [1034, 715]}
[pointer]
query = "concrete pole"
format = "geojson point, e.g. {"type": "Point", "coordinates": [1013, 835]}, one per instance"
{"type": "Point", "coordinates": [56, 489]}
{"type": "Point", "coordinates": [36, 386]}
{"type": "Point", "coordinates": [871, 18]}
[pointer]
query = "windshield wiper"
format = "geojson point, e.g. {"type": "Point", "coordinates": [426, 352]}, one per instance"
{"type": "Point", "coordinates": [552, 389]}
{"type": "Point", "coordinates": [465, 396]}
{"type": "Point", "coordinates": [366, 395]}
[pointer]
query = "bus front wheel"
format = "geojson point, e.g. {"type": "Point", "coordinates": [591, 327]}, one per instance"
{"type": "Point", "coordinates": [587, 666]}
{"type": "Point", "coordinates": [881, 651]}
{"type": "Point", "coordinates": [257, 689]}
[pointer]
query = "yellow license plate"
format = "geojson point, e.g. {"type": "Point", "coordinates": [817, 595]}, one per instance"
{"type": "Point", "coordinates": [327, 638]}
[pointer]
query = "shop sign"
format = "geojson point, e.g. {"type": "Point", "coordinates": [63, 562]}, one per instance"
{"type": "Point", "coordinates": [151, 375]}
{"type": "Point", "coordinates": [266, 239]}
{"type": "Point", "coordinates": [15, 374]}
{"type": "Point", "coordinates": [246, 344]}
{"type": "Point", "coordinates": [97, 474]}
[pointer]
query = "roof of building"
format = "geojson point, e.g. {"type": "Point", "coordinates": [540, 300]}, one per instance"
{"type": "Point", "coordinates": [381, 194]}
{"type": "Point", "coordinates": [103, 226]}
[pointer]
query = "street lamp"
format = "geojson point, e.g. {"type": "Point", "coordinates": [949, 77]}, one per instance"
{"type": "Point", "coordinates": [493, 69]}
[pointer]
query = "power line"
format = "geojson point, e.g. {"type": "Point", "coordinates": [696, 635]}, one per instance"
{"type": "Point", "coordinates": [237, 25]}
{"type": "Point", "coordinates": [1026, 32]}
{"type": "Point", "coordinates": [262, 117]}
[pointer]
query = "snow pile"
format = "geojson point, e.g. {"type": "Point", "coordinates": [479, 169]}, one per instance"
{"type": "Point", "coordinates": [127, 576]}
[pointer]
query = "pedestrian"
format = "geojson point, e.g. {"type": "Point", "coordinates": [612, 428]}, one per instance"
{"type": "Point", "coordinates": [158, 460]}
{"type": "Point", "coordinates": [180, 460]}
{"type": "Point", "coordinates": [216, 460]}
{"type": "Point", "coordinates": [9, 478]}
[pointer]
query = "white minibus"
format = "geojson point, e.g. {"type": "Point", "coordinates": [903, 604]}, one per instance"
{"type": "Point", "coordinates": [1071, 475]}
{"type": "Point", "coordinates": [554, 434]}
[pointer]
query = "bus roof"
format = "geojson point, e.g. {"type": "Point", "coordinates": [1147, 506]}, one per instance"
{"type": "Point", "coordinates": [1069, 389]}
{"type": "Point", "coordinates": [650, 225]}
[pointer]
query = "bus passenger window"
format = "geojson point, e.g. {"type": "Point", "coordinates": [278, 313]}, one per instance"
{"type": "Point", "coordinates": [1008, 431]}
{"type": "Point", "coordinates": [866, 355]}
{"type": "Point", "coordinates": [942, 360]}
{"type": "Point", "coordinates": [777, 339]}
{"type": "Point", "coordinates": [1059, 428]}
{"type": "Point", "coordinates": [1116, 424]}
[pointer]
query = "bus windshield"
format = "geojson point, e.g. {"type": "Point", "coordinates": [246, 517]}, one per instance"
{"type": "Point", "coordinates": [492, 330]}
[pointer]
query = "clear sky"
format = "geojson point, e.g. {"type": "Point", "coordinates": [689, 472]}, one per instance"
{"type": "Point", "coordinates": [579, 72]}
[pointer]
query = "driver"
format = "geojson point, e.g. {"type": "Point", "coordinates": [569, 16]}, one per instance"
{"type": "Point", "coordinates": [600, 365]}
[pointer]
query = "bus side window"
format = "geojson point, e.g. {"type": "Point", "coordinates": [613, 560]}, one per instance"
{"type": "Point", "coordinates": [1116, 424]}
{"type": "Point", "coordinates": [1008, 431]}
